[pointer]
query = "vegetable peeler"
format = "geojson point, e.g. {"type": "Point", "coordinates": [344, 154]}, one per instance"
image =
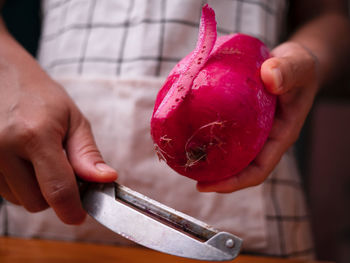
{"type": "Point", "coordinates": [156, 226]}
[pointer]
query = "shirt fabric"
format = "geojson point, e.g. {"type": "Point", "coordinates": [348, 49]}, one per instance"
{"type": "Point", "coordinates": [112, 57]}
{"type": "Point", "coordinates": [142, 38]}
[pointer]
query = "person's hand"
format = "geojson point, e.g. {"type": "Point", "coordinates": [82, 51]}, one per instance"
{"type": "Point", "coordinates": [292, 75]}
{"type": "Point", "coordinates": [44, 142]}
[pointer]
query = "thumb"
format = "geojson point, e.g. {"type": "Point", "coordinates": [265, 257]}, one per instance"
{"type": "Point", "coordinates": [85, 158]}
{"type": "Point", "coordinates": [292, 66]}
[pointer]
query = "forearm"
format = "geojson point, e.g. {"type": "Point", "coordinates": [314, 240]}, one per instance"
{"type": "Point", "coordinates": [13, 55]}
{"type": "Point", "coordinates": [328, 37]}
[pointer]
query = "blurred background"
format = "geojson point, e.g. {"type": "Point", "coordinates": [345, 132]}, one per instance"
{"type": "Point", "coordinates": [323, 148]}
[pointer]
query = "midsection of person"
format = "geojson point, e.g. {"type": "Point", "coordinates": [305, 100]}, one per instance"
{"type": "Point", "coordinates": [112, 57]}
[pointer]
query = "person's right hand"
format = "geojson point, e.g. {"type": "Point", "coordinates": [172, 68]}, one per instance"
{"type": "Point", "coordinates": [44, 142]}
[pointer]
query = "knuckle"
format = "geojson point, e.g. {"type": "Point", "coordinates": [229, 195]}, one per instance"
{"type": "Point", "coordinates": [87, 144]}
{"type": "Point", "coordinates": [6, 193]}
{"type": "Point", "coordinates": [59, 194]}
{"type": "Point", "coordinates": [89, 149]}
{"type": "Point", "coordinates": [85, 127]}
{"type": "Point", "coordinates": [86, 124]}
{"type": "Point", "coordinates": [292, 136]}
{"type": "Point", "coordinates": [259, 181]}
{"type": "Point", "coordinates": [12, 199]}
{"type": "Point", "coordinates": [22, 132]}
{"type": "Point", "coordinates": [35, 207]}
{"type": "Point", "coordinates": [27, 134]}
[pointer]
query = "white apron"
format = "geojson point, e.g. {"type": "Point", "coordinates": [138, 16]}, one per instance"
{"type": "Point", "coordinates": [271, 218]}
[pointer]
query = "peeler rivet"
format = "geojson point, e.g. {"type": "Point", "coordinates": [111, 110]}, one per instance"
{"type": "Point", "coordinates": [230, 243]}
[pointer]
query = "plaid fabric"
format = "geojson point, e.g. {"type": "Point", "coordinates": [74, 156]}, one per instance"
{"type": "Point", "coordinates": [287, 215]}
{"type": "Point", "coordinates": [144, 38]}
{"type": "Point", "coordinates": [147, 38]}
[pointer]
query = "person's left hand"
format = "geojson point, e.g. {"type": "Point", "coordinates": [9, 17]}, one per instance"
{"type": "Point", "coordinates": [291, 74]}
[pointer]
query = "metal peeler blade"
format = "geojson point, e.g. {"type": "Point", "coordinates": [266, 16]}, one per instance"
{"type": "Point", "coordinates": [156, 226]}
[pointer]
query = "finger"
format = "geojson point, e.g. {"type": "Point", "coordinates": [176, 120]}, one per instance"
{"type": "Point", "coordinates": [253, 175]}
{"type": "Point", "coordinates": [84, 156]}
{"type": "Point", "coordinates": [280, 139]}
{"type": "Point", "coordinates": [57, 182]}
{"type": "Point", "coordinates": [21, 180]}
{"type": "Point", "coordinates": [5, 191]}
{"type": "Point", "coordinates": [292, 66]}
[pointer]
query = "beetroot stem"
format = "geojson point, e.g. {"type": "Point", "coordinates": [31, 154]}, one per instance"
{"type": "Point", "coordinates": [182, 86]}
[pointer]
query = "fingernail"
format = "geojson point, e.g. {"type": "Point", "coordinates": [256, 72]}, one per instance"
{"type": "Point", "coordinates": [102, 167]}
{"type": "Point", "coordinates": [278, 77]}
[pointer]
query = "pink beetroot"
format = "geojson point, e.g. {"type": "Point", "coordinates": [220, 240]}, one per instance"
{"type": "Point", "coordinates": [213, 115]}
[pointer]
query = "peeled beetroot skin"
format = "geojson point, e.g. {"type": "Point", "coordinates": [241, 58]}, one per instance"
{"type": "Point", "coordinates": [213, 115]}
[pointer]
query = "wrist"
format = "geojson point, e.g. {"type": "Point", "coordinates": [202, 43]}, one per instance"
{"type": "Point", "coordinates": [328, 39]}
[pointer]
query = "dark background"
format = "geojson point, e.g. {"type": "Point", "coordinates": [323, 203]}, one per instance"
{"type": "Point", "coordinates": [23, 21]}
{"type": "Point", "coordinates": [323, 149]}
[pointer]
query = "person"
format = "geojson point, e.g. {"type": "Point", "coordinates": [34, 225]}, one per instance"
{"type": "Point", "coordinates": [83, 110]}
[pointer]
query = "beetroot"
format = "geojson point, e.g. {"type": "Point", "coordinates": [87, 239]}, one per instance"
{"type": "Point", "coordinates": [213, 115]}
